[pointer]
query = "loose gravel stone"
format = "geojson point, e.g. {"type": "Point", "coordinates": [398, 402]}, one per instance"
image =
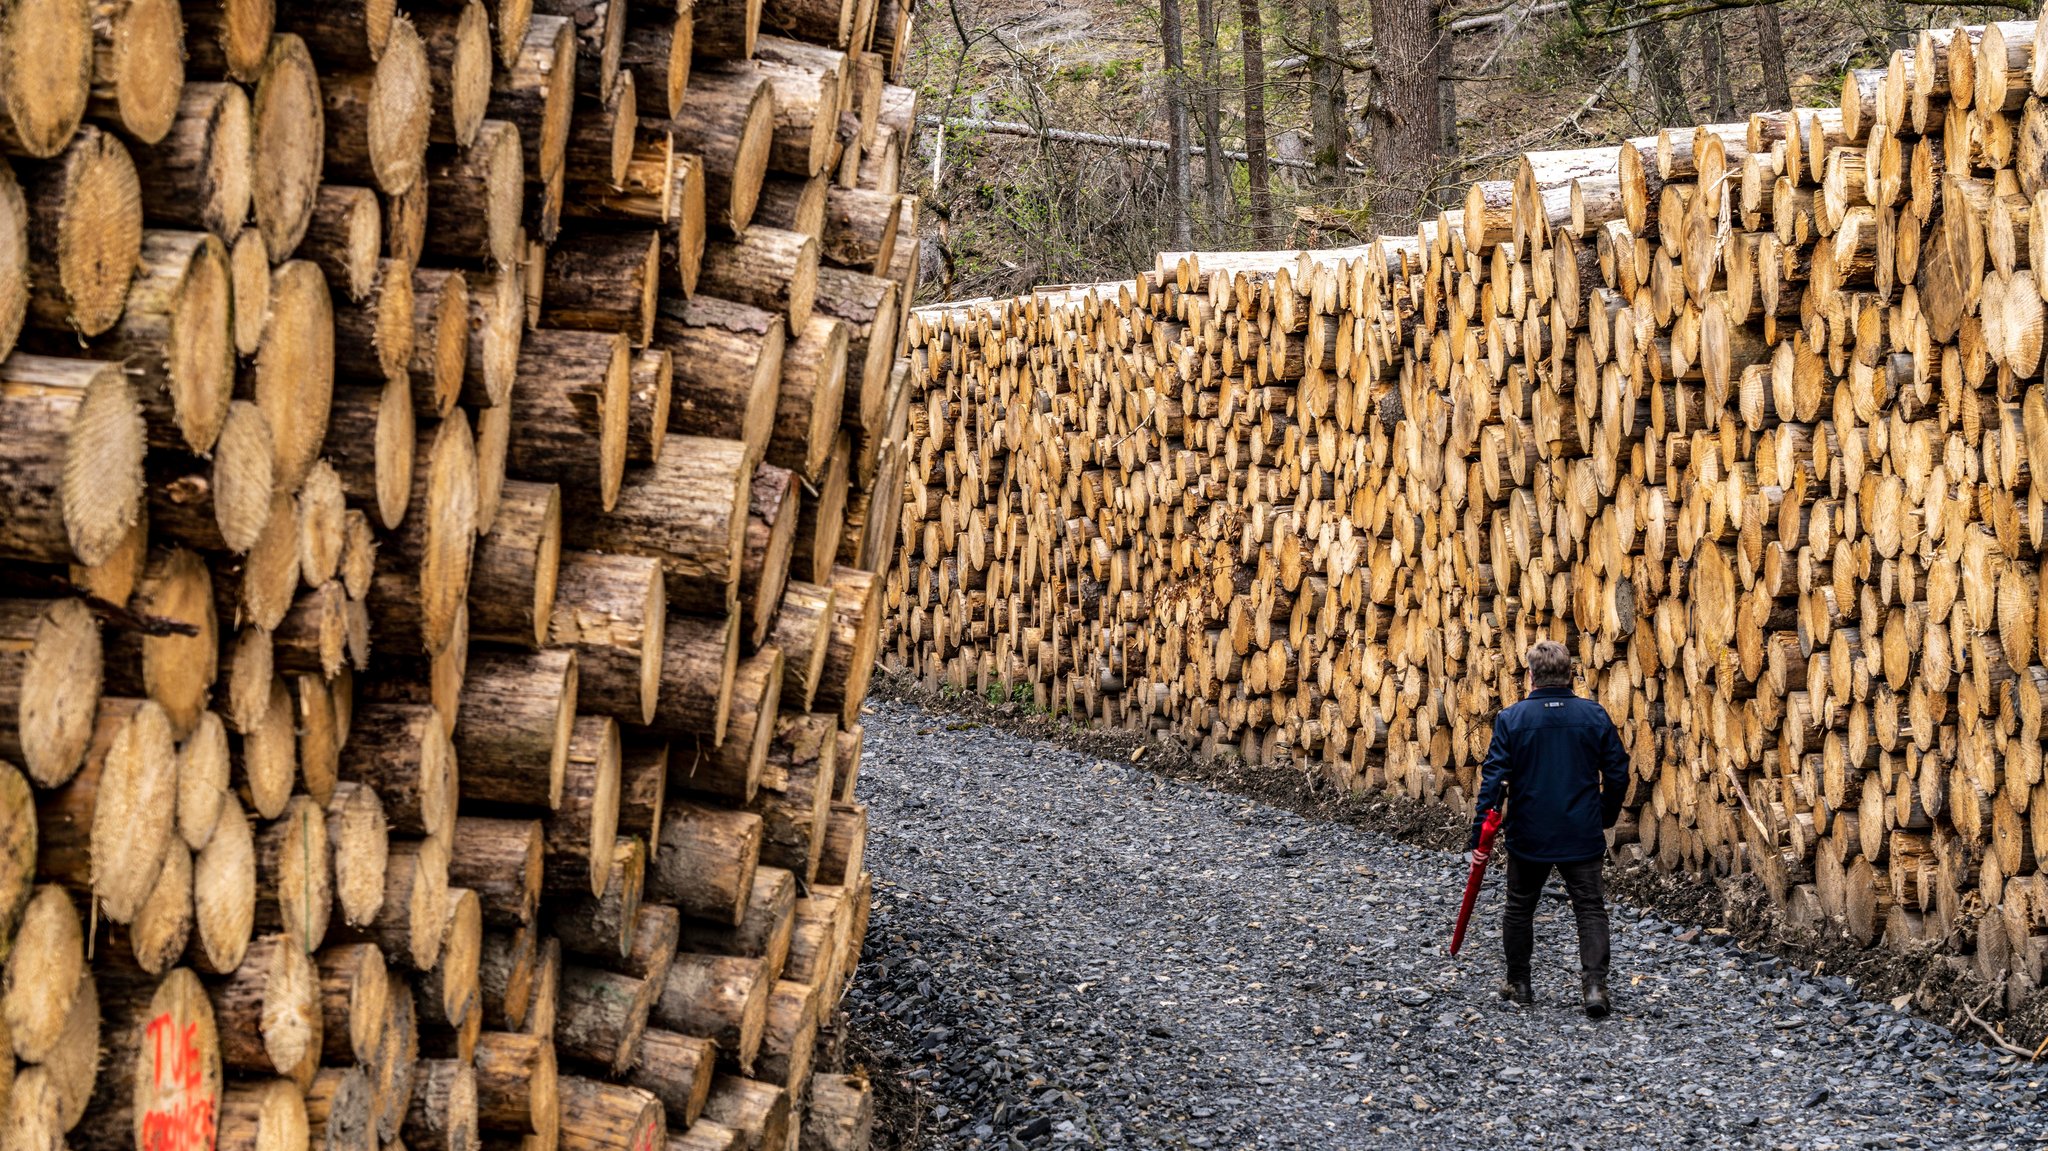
{"type": "Point", "coordinates": [1066, 952]}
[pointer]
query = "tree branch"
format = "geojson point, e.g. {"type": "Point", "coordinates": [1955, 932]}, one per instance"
{"type": "Point", "coordinates": [1097, 139]}
{"type": "Point", "coordinates": [1501, 15]}
{"type": "Point", "coordinates": [1643, 13]}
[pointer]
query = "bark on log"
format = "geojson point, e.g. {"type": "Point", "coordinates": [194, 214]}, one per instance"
{"type": "Point", "coordinates": [643, 788]}
{"type": "Point", "coordinates": [707, 861]}
{"type": "Point", "coordinates": [688, 511]}
{"type": "Point", "coordinates": [458, 41]}
{"type": "Point", "coordinates": [269, 1012]}
{"type": "Point", "coordinates": [727, 30]}
{"type": "Point", "coordinates": [416, 600]}
{"type": "Point", "coordinates": [732, 769]}
{"type": "Point", "coordinates": [771, 531]}
{"type": "Point", "coordinates": [867, 304]}
{"type": "Point", "coordinates": [759, 1111]}
{"type": "Point", "coordinates": [767, 268]}
{"type": "Point", "coordinates": [355, 993]}
{"type": "Point", "coordinates": [763, 929]}
{"type": "Point", "coordinates": [721, 997]}
{"type": "Point", "coordinates": [402, 752]}
{"type": "Point", "coordinates": [377, 115]}
{"type": "Point", "coordinates": [728, 364]}
{"type": "Point", "coordinates": [821, 523]}
{"type": "Point", "coordinates": [856, 620]}
{"type": "Point", "coordinates": [518, 715]}
{"type": "Point", "coordinates": [801, 630]}
{"type": "Point", "coordinates": [840, 1115]}
{"type": "Point", "coordinates": [536, 92]}
{"type": "Point", "coordinates": [676, 1069]}
{"type": "Point", "coordinates": [50, 677]}
{"type": "Point", "coordinates": [73, 479]}
{"type": "Point", "coordinates": [602, 1016]}
{"type": "Point", "coordinates": [860, 229]}
{"type": "Point", "coordinates": [807, 406]}
{"type": "Point", "coordinates": [796, 800]}
{"type": "Point", "coordinates": [85, 225]}
{"type": "Point", "coordinates": [791, 1036]}
{"type": "Point", "coordinates": [583, 827]}
{"type": "Point", "coordinates": [570, 414]}
{"type": "Point", "coordinates": [440, 354]}
{"type": "Point", "coordinates": [512, 585]}
{"type": "Point", "coordinates": [728, 119]}
{"type": "Point", "coordinates": [604, 282]}
{"type": "Point", "coordinates": [443, 1114]}
{"type": "Point", "coordinates": [600, 1116]}
{"type": "Point", "coordinates": [611, 611]}
{"type": "Point", "coordinates": [341, 1111]}
{"type": "Point", "coordinates": [653, 393]}
{"type": "Point", "coordinates": [477, 192]}
{"type": "Point", "coordinates": [501, 860]}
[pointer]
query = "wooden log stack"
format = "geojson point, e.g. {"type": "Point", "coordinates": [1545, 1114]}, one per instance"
{"type": "Point", "coordinates": [1743, 413]}
{"type": "Point", "coordinates": [429, 671]}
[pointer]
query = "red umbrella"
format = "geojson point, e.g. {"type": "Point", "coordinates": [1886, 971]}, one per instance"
{"type": "Point", "coordinates": [1487, 831]}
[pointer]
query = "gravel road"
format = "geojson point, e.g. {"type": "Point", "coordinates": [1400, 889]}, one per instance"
{"type": "Point", "coordinates": [1070, 952]}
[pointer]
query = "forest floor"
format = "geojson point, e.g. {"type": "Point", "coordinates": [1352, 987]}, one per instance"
{"type": "Point", "coordinates": [1072, 949]}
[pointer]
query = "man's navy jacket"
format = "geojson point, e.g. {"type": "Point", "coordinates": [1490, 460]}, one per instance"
{"type": "Point", "coordinates": [1564, 771]}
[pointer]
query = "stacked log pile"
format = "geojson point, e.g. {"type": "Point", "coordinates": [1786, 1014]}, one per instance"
{"type": "Point", "coordinates": [1742, 413]}
{"type": "Point", "coordinates": [442, 472]}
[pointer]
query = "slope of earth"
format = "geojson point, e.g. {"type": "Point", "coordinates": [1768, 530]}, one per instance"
{"type": "Point", "coordinates": [1071, 952]}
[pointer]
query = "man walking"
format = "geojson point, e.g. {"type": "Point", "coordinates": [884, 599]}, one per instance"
{"type": "Point", "coordinates": [1557, 771]}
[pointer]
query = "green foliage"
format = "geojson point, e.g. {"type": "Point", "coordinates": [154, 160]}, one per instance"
{"type": "Point", "coordinates": [1822, 91]}
{"type": "Point", "coordinates": [1565, 43]}
{"type": "Point", "coordinates": [1104, 71]}
{"type": "Point", "coordinates": [1018, 693]}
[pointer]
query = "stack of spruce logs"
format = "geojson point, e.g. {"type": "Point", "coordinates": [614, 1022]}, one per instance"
{"type": "Point", "coordinates": [443, 463]}
{"type": "Point", "coordinates": [1744, 414]}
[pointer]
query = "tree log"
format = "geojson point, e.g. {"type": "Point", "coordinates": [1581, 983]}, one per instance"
{"type": "Point", "coordinates": [731, 770]}
{"type": "Point", "coordinates": [582, 828]}
{"type": "Point", "coordinates": [767, 268]}
{"type": "Point", "coordinates": [688, 510]}
{"type": "Point", "coordinates": [728, 120]}
{"type": "Point", "coordinates": [700, 658]}
{"type": "Point", "coordinates": [706, 865]}
{"type": "Point", "coordinates": [721, 997]}
{"type": "Point", "coordinates": [728, 366]}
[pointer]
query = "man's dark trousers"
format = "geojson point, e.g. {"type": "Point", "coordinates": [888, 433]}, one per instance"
{"type": "Point", "coordinates": [1589, 905]}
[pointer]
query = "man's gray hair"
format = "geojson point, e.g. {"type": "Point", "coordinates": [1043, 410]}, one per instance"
{"type": "Point", "coordinates": [1550, 664]}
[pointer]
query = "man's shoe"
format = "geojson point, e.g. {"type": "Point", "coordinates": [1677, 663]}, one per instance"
{"type": "Point", "coordinates": [1595, 991]}
{"type": "Point", "coordinates": [1517, 991]}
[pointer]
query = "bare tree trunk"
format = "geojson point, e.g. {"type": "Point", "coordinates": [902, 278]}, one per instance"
{"type": "Point", "coordinates": [1446, 96]}
{"type": "Point", "coordinates": [1714, 54]}
{"type": "Point", "coordinates": [1215, 166]}
{"type": "Point", "coordinates": [1253, 44]}
{"type": "Point", "coordinates": [1771, 52]}
{"type": "Point", "coordinates": [1326, 100]}
{"type": "Point", "coordinates": [1178, 176]}
{"type": "Point", "coordinates": [1660, 62]}
{"type": "Point", "coordinates": [1414, 118]}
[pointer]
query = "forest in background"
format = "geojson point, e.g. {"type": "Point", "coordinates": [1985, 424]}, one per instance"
{"type": "Point", "coordinates": [1067, 141]}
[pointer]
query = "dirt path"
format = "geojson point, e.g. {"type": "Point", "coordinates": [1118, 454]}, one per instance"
{"type": "Point", "coordinates": [1068, 952]}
